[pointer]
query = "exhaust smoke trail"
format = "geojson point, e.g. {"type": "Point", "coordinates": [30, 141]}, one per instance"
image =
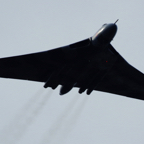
{"type": "Point", "coordinates": [62, 127]}
{"type": "Point", "coordinates": [26, 116]}
{"type": "Point", "coordinates": [54, 129]}
{"type": "Point", "coordinates": [71, 122]}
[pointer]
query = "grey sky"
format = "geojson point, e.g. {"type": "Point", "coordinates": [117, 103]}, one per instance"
{"type": "Point", "coordinates": [38, 25]}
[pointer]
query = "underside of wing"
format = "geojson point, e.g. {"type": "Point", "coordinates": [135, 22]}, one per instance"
{"type": "Point", "coordinates": [42, 65]}
{"type": "Point", "coordinates": [35, 67]}
{"type": "Point", "coordinates": [123, 79]}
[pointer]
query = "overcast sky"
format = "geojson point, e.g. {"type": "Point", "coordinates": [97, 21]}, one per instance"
{"type": "Point", "coordinates": [30, 114]}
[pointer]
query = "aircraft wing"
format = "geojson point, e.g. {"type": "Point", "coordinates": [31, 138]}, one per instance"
{"type": "Point", "coordinates": [123, 79]}
{"type": "Point", "coordinates": [73, 63]}
{"type": "Point", "coordinates": [40, 66]}
{"type": "Point", "coordinates": [35, 67]}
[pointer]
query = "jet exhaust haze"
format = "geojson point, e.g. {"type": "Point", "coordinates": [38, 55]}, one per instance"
{"type": "Point", "coordinates": [66, 120]}
{"type": "Point", "coordinates": [17, 128]}
{"type": "Point", "coordinates": [70, 124]}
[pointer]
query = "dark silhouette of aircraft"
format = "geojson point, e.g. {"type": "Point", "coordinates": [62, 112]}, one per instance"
{"type": "Point", "coordinates": [91, 64]}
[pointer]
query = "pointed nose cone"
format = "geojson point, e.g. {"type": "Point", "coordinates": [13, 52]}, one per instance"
{"type": "Point", "coordinates": [110, 31]}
